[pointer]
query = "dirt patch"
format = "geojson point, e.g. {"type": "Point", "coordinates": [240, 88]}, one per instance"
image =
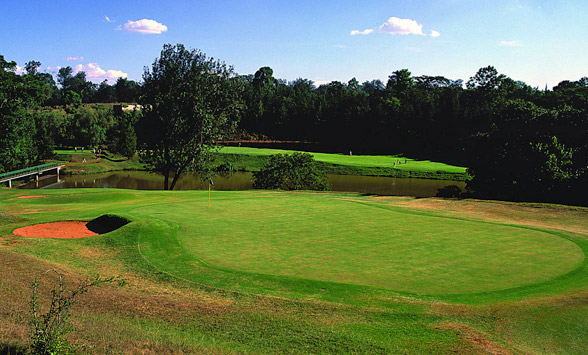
{"type": "Point", "coordinates": [61, 230]}
{"type": "Point", "coordinates": [476, 338]}
{"type": "Point", "coordinates": [33, 196]}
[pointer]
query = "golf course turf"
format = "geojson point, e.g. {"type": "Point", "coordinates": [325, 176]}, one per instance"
{"type": "Point", "coordinates": [340, 250]}
{"type": "Point", "coordinates": [252, 159]}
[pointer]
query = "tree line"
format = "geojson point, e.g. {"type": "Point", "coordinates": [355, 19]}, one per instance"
{"type": "Point", "coordinates": [518, 142]}
{"type": "Point", "coordinates": [73, 89]}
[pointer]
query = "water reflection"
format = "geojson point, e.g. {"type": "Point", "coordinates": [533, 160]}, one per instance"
{"type": "Point", "coordinates": [141, 180]}
{"type": "Point", "coordinates": [378, 185]}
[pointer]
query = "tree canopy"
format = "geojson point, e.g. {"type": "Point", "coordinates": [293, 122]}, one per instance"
{"type": "Point", "coordinates": [296, 171]}
{"type": "Point", "coordinates": [190, 101]}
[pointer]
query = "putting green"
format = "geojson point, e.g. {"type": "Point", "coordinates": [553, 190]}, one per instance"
{"type": "Point", "coordinates": [354, 240]}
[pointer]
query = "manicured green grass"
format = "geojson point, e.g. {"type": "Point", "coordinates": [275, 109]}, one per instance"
{"type": "Point", "coordinates": [252, 159]}
{"type": "Point", "coordinates": [384, 161]}
{"type": "Point", "coordinates": [308, 272]}
{"type": "Point", "coordinates": [253, 241]}
{"type": "Point", "coordinates": [326, 238]}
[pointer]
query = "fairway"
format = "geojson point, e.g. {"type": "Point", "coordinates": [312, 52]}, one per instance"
{"type": "Point", "coordinates": [382, 161]}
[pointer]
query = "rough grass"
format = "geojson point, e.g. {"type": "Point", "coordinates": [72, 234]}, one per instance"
{"type": "Point", "coordinates": [170, 306]}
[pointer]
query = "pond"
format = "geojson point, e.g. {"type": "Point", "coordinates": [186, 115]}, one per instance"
{"type": "Point", "coordinates": [141, 180]}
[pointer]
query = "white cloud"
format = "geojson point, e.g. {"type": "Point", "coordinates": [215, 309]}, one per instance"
{"type": "Point", "coordinates": [74, 59]}
{"type": "Point", "coordinates": [515, 43]}
{"type": "Point", "coordinates": [51, 69]}
{"type": "Point", "coordinates": [435, 33]}
{"type": "Point", "coordinates": [403, 26]}
{"type": "Point", "coordinates": [19, 70]}
{"type": "Point", "coordinates": [367, 31]}
{"type": "Point", "coordinates": [144, 26]}
{"type": "Point", "coordinates": [115, 74]}
{"type": "Point", "coordinates": [342, 46]}
{"type": "Point", "coordinates": [108, 19]}
{"type": "Point", "coordinates": [96, 73]}
{"type": "Point", "coordinates": [321, 82]}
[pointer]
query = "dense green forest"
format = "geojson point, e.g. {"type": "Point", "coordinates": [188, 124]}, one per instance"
{"type": "Point", "coordinates": [518, 142]}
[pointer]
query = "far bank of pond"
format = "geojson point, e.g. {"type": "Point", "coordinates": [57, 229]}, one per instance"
{"type": "Point", "coordinates": [141, 180]}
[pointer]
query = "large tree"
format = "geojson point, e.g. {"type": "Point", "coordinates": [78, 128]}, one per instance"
{"type": "Point", "coordinates": [189, 102]}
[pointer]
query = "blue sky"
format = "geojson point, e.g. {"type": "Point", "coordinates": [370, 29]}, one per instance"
{"type": "Point", "coordinates": [540, 42]}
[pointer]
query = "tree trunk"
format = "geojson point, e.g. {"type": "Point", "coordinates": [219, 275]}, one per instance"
{"type": "Point", "coordinates": [176, 177]}
{"type": "Point", "coordinates": [165, 180]}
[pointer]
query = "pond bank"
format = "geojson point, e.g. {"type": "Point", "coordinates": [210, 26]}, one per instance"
{"type": "Point", "coordinates": [141, 180]}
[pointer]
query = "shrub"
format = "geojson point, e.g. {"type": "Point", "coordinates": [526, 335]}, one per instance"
{"type": "Point", "coordinates": [50, 328]}
{"type": "Point", "coordinates": [296, 171]}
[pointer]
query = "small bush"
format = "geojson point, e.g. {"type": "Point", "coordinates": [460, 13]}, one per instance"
{"type": "Point", "coordinates": [50, 328]}
{"type": "Point", "coordinates": [297, 171]}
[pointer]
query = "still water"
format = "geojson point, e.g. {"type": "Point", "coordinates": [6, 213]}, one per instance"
{"type": "Point", "coordinates": [141, 180]}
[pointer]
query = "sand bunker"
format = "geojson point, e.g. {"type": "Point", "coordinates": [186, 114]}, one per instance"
{"type": "Point", "coordinates": [73, 229]}
{"type": "Point", "coordinates": [62, 230]}
{"type": "Point", "coordinates": [33, 196]}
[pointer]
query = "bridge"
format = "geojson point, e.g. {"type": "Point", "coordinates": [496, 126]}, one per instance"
{"type": "Point", "coordinates": [34, 170]}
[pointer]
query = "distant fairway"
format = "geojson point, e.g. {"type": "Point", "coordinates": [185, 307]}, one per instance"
{"type": "Point", "coordinates": [350, 240]}
{"type": "Point", "coordinates": [381, 161]}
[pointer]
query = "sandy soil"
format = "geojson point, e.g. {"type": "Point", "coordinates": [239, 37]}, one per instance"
{"type": "Point", "coordinates": [61, 230]}
{"type": "Point", "coordinates": [33, 196]}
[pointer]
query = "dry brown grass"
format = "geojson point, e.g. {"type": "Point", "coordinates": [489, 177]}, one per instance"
{"type": "Point", "coordinates": [102, 315]}
{"type": "Point", "coordinates": [479, 340]}
{"type": "Point", "coordinates": [135, 301]}
{"type": "Point", "coordinates": [559, 217]}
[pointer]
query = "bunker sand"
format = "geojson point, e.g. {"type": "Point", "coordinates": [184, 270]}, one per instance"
{"type": "Point", "coordinates": [60, 230]}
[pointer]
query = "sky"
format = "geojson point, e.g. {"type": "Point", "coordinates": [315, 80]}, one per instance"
{"type": "Point", "coordinates": [540, 42]}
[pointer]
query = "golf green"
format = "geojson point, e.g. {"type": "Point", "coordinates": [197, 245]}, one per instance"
{"type": "Point", "coordinates": [357, 240]}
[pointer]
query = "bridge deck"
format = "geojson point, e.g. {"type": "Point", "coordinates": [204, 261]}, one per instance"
{"type": "Point", "coordinates": [12, 175]}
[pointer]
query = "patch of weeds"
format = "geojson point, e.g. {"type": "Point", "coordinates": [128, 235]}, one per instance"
{"type": "Point", "coordinates": [50, 328]}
